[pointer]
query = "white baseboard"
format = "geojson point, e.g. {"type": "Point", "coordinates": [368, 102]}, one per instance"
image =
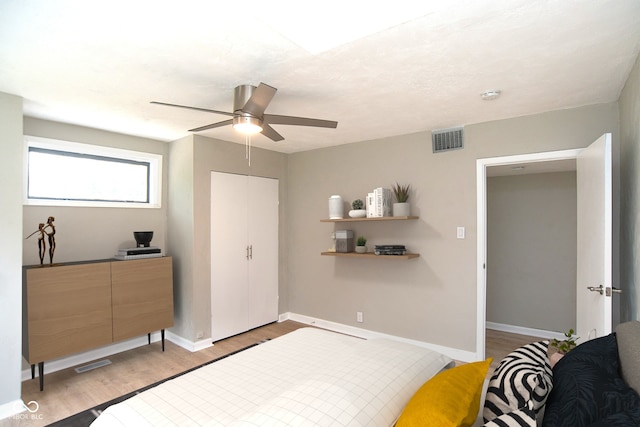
{"type": "Point", "coordinates": [525, 331]}
{"type": "Point", "coordinates": [13, 409]}
{"type": "Point", "coordinates": [282, 317]}
{"type": "Point", "coordinates": [91, 355]}
{"type": "Point", "coordinates": [192, 346]}
{"type": "Point", "coordinates": [454, 353]}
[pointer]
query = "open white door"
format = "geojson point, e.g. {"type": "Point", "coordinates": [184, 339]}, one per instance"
{"type": "Point", "coordinates": [594, 258]}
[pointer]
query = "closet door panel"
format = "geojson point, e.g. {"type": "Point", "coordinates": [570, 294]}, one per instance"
{"type": "Point", "coordinates": [229, 263]}
{"type": "Point", "coordinates": [263, 240]}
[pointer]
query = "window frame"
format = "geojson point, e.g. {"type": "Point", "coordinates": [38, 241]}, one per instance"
{"type": "Point", "coordinates": [89, 150]}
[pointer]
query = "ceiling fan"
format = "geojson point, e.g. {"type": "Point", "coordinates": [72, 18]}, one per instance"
{"type": "Point", "coordinates": [249, 104]}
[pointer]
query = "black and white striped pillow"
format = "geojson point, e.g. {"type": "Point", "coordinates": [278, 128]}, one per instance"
{"type": "Point", "coordinates": [525, 417]}
{"type": "Point", "coordinates": [523, 376]}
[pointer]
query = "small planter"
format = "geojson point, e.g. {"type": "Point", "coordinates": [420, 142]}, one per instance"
{"type": "Point", "coordinates": [361, 249]}
{"type": "Point", "coordinates": [357, 213]}
{"type": "Point", "coordinates": [401, 209]}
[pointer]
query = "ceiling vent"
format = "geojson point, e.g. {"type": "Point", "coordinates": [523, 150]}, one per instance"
{"type": "Point", "coordinates": [447, 139]}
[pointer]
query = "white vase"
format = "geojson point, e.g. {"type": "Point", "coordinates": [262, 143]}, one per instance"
{"type": "Point", "coordinates": [336, 207]}
{"type": "Point", "coordinates": [401, 209]}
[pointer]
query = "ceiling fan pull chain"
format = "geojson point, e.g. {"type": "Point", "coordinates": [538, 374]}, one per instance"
{"type": "Point", "coordinates": [247, 148]}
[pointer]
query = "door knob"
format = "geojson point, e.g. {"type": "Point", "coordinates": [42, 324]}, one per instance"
{"type": "Point", "coordinates": [599, 289]}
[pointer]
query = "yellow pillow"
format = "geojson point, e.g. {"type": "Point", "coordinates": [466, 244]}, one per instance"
{"type": "Point", "coordinates": [451, 398]}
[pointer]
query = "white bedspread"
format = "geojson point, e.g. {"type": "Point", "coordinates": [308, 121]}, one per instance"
{"type": "Point", "coordinates": [306, 377]}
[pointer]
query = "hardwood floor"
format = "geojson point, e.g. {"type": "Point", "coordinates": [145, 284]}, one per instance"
{"type": "Point", "coordinates": [67, 392]}
{"type": "Point", "coordinates": [499, 344]}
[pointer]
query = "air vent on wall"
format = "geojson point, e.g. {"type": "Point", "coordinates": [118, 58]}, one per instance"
{"type": "Point", "coordinates": [447, 139]}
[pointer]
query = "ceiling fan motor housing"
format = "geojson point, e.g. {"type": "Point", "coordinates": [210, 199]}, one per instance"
{"type": "Point", "coordinates": [241, 95]}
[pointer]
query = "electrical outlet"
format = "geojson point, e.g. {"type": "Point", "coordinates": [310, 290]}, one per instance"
{"type": "Point", "coordinates": [359, 317]}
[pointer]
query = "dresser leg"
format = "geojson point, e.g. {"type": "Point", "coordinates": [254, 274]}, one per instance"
{"type": "Point", "coordinates": [149, 337]}
{"type": "Point", "coordinates": [33, 371]}
{"type": "Point", "coordinates": [162, 334]}
{"type": "Point", "coordinates": [41, 375]}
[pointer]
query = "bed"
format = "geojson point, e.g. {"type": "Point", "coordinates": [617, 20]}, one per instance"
{"type": "Point", "coordinates": [306, 377]}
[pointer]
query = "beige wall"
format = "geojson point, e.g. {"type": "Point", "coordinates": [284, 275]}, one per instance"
{"type": "Point", "coordinates": [180, 232]}
{"type": "Point", "coordinates": [531, 250]}
{"type": "Point", "coordinates": [10, 254]}
{"type": "Point", "coordinates": [192, 247]}
{"type": "Point", "coordinates": [432, 298]}
{"type": "Point", "coordinates": [630, 195]}
{"type": "Point", "coordinates": [93, 233]}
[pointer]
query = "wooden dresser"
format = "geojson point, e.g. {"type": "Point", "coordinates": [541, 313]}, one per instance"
{"type": "Point", "coordinates": [75, 307]}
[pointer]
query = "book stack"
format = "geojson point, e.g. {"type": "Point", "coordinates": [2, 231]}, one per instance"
{"type": "Point", "coordinates": [379, 203]}
{"type": "Point", "coordinates": [139, 253]}
{"type": "Point", "coordinates": [390, 249]}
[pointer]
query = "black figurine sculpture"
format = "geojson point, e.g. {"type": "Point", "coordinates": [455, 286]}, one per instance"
{"type": "Point", "coordinates": [42, 244]}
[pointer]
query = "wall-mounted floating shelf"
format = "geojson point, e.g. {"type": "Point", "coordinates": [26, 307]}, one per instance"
{"type": "Point", "coordinates": [381, 218]}
{"type": "Point", "coordinates": [369, 255]}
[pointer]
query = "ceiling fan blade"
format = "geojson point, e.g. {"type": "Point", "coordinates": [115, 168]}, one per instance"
{"type": "Point", "coordinates": [193, 108]}
{"type": "Point", "coordinates": [213, 125]}
{"type": "Point", "coordinates": [271, 133]}
{"type": "Point", "coordinates": [274, 119]}
{"type": "Point", "coordinates": [259, 100]}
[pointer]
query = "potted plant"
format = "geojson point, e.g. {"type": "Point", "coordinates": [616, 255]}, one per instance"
{"type": "Point", "coordinates": [566, 345]}
{"type": "Point", "coordinates": [402, 206]}
{"type": "Point", "coordinates": [360, 245]}
{"type": "Point", "coordinates": [358, 210]}
{"type": "Point", "coordinates": [562, 346]}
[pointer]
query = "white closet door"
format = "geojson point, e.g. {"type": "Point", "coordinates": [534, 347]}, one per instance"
{"type": "Point", "coordinates": [244, 253]}
{"type": "Point", "coordinates": [263, 241]}
{"type": "Point", "coordinates": [229, 263]}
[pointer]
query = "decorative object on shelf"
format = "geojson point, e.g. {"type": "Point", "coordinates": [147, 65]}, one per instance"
{"type": "Point", "coordinates": [360, 245]}
{"type": "Point", "coordinates": [48, 230]}
{"type": "Point", "coordinates": [143, 238]}
{"type": "Point", "coordinates": [402, 206]}
{"type": "Point", "coordinates": [358, 210]}
{"type": "Point", "coordinates": [142, 249]}
{"type": "Point", "coordinates": [336, 207]}
{"type": "Point", "coordinates": [379, 203]}
{"type": "Point", "coordinates": [333, 243]}
{"type": "Point", "coordinates": [344, 241]}
{"type": "Point", "coordinates": [390, 250]}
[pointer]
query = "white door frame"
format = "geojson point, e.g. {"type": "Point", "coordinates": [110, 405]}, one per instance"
{"type": "Point", "coordinates": [481, 182]}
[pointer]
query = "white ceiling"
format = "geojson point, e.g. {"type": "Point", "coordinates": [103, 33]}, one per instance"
{"type": "Point", "coordinates": [99, 63]}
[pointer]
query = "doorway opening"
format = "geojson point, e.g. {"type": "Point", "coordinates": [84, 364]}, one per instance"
{"type": "Point", "coordinates": [540, 162]}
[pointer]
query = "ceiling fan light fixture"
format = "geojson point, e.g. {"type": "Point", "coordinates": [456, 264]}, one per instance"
{"type": "Point", "coordinates": [247, 124]}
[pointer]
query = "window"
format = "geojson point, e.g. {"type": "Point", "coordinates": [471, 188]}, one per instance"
{"type": "Point", "coordinates": [70, 174]}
